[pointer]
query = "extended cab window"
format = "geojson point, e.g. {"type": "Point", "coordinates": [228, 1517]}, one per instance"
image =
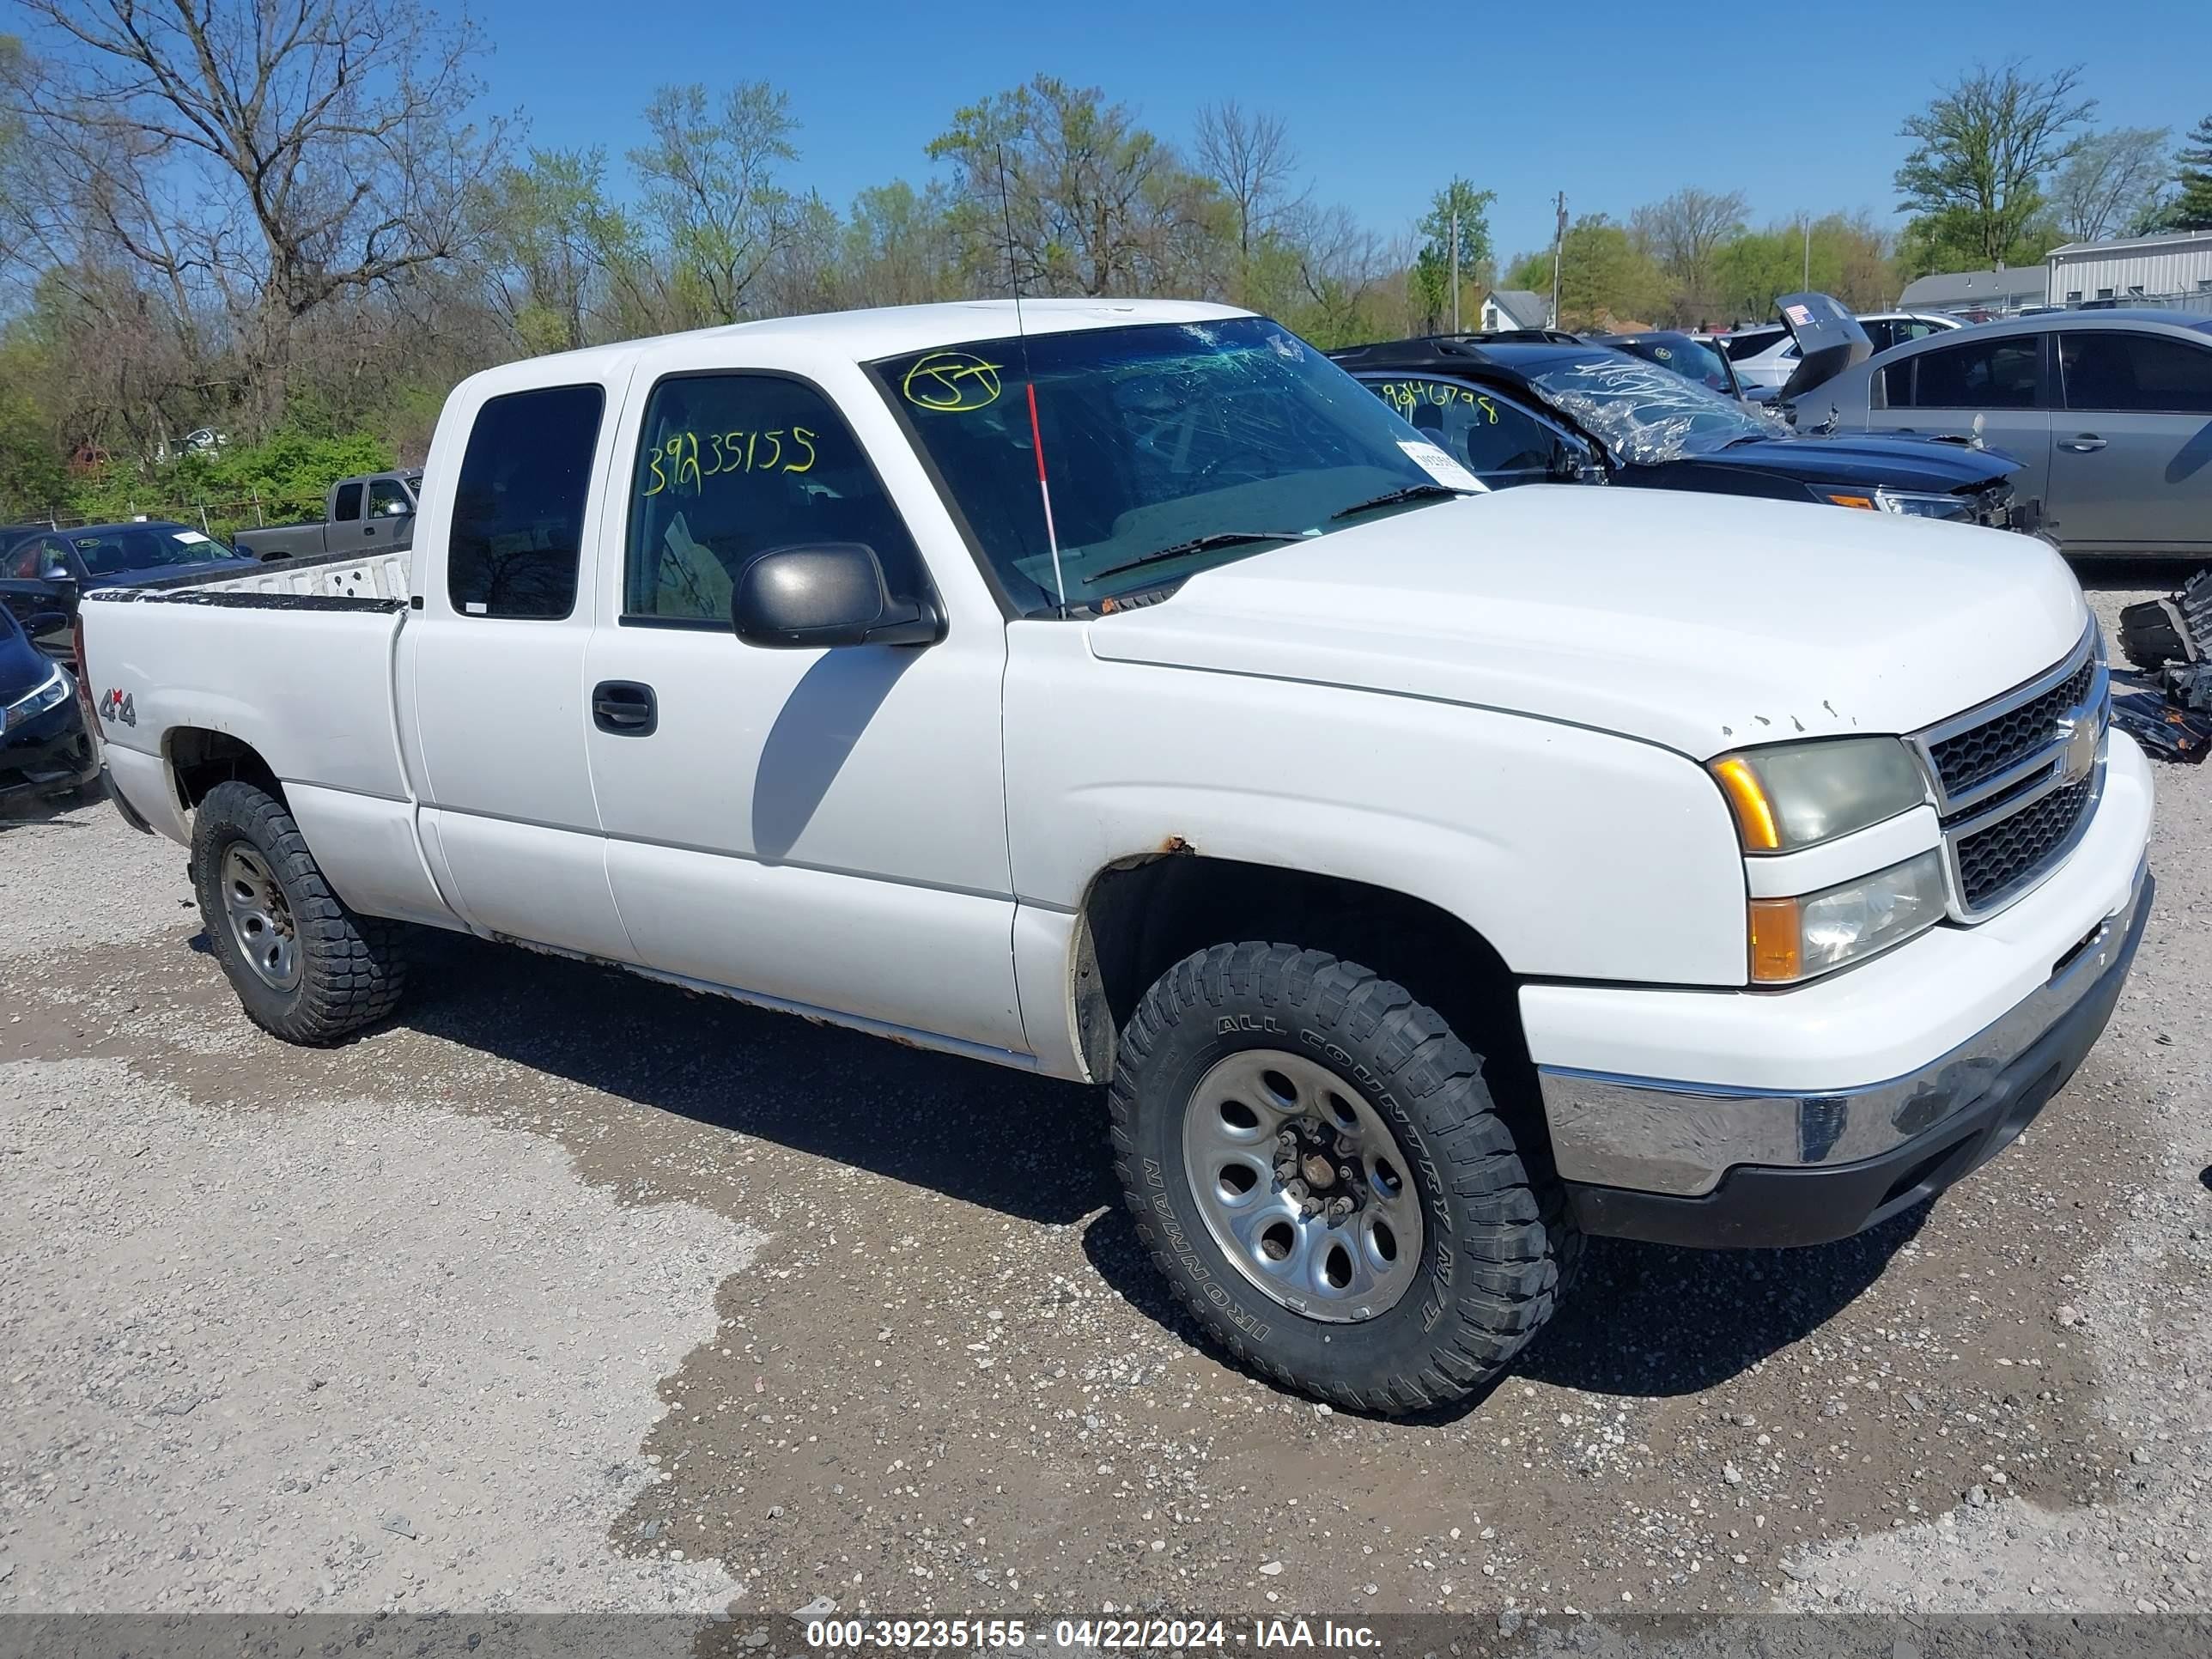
{"type": "Point", "coordinates": [1974, 374]}
{"type": "Point", "coordinates": [346, 505]}
{"type": "Point", "coordinates": [2137, 373]}
{"type": "Point", "coordinates": [519, 504]}
{"type": "Point", "coordinates": [730, 466]}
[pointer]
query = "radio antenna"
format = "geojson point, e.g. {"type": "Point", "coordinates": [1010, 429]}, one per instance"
{"type": "Point", "coordinates": [1029, 385]}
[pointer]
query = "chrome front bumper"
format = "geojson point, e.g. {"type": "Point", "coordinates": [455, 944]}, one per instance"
{"type": "Point", "coordinates": [1662, 1137]}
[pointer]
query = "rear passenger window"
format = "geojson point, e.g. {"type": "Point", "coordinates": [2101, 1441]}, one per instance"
{"type": "Point", "coordinates": [1978, 375]}
{"type": "Point", "coordinates": [2135, 374]}
{"type": "Point", "coordinates": [519, 504]}
{"type": "Point", "coordinates": [347, 507]}
{"type": "Point", "coordinates": [732, 466]}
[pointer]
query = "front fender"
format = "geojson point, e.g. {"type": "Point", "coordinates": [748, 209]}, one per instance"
{"type": "Point", "coordinates": [1577, 853]}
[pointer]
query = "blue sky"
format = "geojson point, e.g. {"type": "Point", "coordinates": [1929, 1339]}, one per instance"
{"type": "Point", "coordinates": [1657, 104]}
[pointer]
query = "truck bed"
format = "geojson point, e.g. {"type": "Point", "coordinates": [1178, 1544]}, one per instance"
{"type": "Point", "coordinates": [303, 677]}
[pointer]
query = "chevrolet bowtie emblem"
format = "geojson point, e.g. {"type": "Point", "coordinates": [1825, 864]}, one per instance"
{"type": "Point", "coordinates": [2080, 734]}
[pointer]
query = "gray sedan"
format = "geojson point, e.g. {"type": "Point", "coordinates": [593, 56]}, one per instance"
{"type": "Point", "coordinates": [2109, 412]}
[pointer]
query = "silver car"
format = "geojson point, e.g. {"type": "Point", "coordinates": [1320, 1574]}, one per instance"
{"type": "Point", "coordinates": [2109, 412]}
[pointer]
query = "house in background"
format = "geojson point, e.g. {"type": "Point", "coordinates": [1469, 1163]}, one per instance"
{"type": "Point", "coordinates": [1514, 307]}
{"type": "Point", "coordinates": [1980, 294]}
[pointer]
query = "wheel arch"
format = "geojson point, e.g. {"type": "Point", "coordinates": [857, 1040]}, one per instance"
{"type": "Point", "coordinates": [1141, 915]}
{"type": "Point", "coordinates": [199, 758]}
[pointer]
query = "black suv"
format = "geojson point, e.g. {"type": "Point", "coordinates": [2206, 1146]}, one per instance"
{"type": "Point", "coordinates": [1548, 408]}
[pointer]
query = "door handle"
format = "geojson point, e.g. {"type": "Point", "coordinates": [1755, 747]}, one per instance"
{"type": "Point", "coordinates": [368, 530]}
{"type": "Point", "coordinates": [2081, 442]}
{"type": "Point", "coordinates": [625, 708]}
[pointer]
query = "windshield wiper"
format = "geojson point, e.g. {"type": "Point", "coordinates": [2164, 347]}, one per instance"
{"type": "Point", "coordinates": [1391, 497]}
{"type": "Point", "coordinates": [1197, 545]}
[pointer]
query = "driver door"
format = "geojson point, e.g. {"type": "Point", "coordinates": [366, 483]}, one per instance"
{"type": "Point", "coordinates": [823, 829]}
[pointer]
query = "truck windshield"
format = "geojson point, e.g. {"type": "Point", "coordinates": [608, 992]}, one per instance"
{"type": "Point", "coordinates": [1171, 448]}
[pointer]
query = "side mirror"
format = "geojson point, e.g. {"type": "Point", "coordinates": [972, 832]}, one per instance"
{"type": "Point", "coordinates": [826, 594]}
{"type": "Point", "coordinates": [54, 573]}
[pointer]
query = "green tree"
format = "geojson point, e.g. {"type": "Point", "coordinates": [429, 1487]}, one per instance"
{"type": "Point", "coordinates": [1432, 275]}
{"type": "Point", "coordinates": [2191, 208]}
{"type": "Point", "coordinates": [1097, 204]}
{"type": "Point", "coordinates": [1604, 278]}
{"type": "Point", "coordinates": [1981, 152]}
{"type": "Point", "coordinates": [548, 235]}
{"type": "Point", "coordinates": [713, 197]}
{"type": "Point", "coordinates": [898, 246]}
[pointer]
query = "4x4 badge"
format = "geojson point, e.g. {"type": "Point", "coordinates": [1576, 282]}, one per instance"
{"type": "Point", "coordinates": [118, 705]}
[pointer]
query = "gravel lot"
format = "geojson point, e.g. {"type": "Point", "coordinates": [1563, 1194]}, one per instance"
{"type": "Point", "coordinates": [570, 1291]}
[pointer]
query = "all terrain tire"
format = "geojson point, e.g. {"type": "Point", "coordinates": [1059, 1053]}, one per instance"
{"type": "Point", "coordinates": [306, 968]}
{"type": "Point", "coordinates": [1255, 1079]}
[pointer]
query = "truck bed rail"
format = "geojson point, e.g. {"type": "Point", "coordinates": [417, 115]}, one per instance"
{"type": "Point", "coordinates": [378, 576]}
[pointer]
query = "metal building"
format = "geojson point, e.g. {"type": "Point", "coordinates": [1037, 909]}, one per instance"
{"type": "Point", "coordinates": [2174, 270]}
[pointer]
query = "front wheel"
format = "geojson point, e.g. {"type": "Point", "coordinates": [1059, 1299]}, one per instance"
{"type": "Point", "coordinates": [1316, 1166]}
{"type": "Point", "coordinates": [306, 968]}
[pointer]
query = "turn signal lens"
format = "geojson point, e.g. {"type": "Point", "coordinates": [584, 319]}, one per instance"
{"type": "Point", "coordinates": [1793, 938]}
{"type": "Point", "coordinates": [1754, 814]}
{"type": "Point", "coordinates": [1788, 795]}
{"type": "Point", "coordinates": [1777, 935]}
{"type": "Point", "coordinates": [1865, 501]}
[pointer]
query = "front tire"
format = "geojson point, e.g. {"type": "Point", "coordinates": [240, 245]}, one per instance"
{"type": "Point", "coordinates": [1316, 1163]}
{"type": "Point", "coordinates": [306, 968]}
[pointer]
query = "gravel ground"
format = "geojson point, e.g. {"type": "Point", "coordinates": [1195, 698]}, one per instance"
{"type": "Point", "coordinates": [623, 1298]}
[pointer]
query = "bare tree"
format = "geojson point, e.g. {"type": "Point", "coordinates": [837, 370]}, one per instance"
{"type": "Point", "coordinates": [1683, 235]}
{"type": "Point", "coordinates": [2112, 183]}
{"type": "Point", "coordinates": [1250, 160]}
{"type": "Point", "coordinates": [712, 197]}
{"type": "Point", "coordinates": [283, 153]}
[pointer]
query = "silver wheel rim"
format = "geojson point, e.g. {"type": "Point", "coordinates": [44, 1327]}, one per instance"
{"type": "Point", "coordinates": [1356, 1254]}
{"type": "Point", "coordinates": [260, 919]}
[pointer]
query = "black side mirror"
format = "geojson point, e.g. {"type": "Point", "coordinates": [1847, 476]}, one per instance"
{"type": "Point", "coordinates": [826, 594]}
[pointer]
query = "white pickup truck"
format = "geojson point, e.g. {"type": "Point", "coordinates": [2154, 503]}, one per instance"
{"type": "Point", "coordinates": [1433, 877]}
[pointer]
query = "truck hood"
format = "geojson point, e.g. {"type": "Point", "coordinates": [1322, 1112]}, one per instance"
{"type": "Point", "coordinates": [1924, 464]}
{"type": "Point", "coordinates": [1702, 624]}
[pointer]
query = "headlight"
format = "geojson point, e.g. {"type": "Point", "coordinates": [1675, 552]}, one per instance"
{"type": "Point", "coordinates": [48, 694]}
{"type": "Point", "coordinates": [1913, 503]}
{"type": "Point", "coordinates": [1788, 795]}
{"type": "Point", "coordinates": [1793, 938]}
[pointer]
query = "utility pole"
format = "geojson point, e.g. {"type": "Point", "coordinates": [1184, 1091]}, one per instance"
{"type": "Point", "coordinates": [1559, 251]}
{"type": "Point", "coordinates": [1455, 268]}
{"type": "Point", "coordinates": [1806, 220]}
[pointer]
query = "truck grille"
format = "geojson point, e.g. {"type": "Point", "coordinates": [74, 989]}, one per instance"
{"type": "Point", "coordinates": [2016, 780]}
{"type": "Point", "coordinates": [1981, 752]}
{"type": "Point", "coordinates": [2014, 848]}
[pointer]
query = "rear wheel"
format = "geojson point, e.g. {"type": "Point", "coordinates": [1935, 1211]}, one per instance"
{"type": "Point", "coordinates": [1318, 1167]}
{"type": "Point", "coordinates": [306, 968]}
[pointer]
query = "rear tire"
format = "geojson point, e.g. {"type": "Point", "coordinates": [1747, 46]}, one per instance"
{"type": "Point", "coordinates": [306, 968]}
{"type": "Point", "coordinates": [1492, 1248]}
